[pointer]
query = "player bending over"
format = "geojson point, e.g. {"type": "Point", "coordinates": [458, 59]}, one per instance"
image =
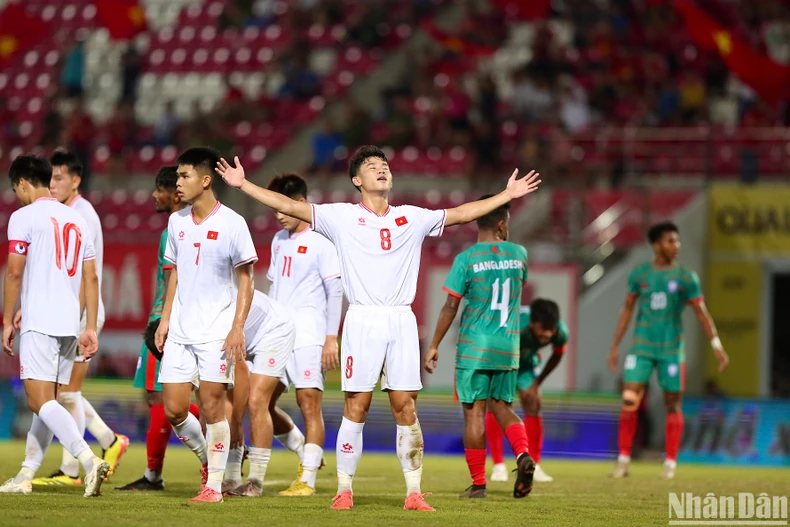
{"type": "Point", "coordinates": [201, 333]}
{"type": "Point", "coordinates": [50, 251]}
{"type": "Point", "coordinates": [540, 326]}
{"type": "Point", "coordinates": [305, 277]}
{"type": "Point", "coordinates": [167, 200]}
{"type": "Point", "coordinates": [379, 251]}
{"type": "Point", "coordinates": [490, 275]}
{"type": "Point", "coordinates": [660, 290]}
{"type": "Point", "coordinates": [64, 186]}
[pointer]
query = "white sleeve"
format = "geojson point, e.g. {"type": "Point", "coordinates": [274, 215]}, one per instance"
{"type": "Point", "coordinates": [90, 248]}
{"type": "Point", "coordinates": [328, 264]}
{"type": "Point", "coordinates": [242, 250]}
{"type": "Point", "coordinates": [333, 289]}
{"type": "Point", "coordinates": [170, 249]}
{"type": "Point", "coordinates": [18, 234]}
{"type": "Point", "coordinates": [433, 222]}
{"type": "Point", "coordinates": [271, 269]}
{"type": "Point", "coordinates": [326, 218]}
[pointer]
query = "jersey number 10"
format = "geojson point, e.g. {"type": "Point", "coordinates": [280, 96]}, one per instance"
{"type": "Point", "coordinates": [501, 305]}
{"type": "Point", "coordinates": [62, 246]}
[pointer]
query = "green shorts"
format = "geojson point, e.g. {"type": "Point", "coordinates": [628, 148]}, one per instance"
{"type": "Point", "coordinates": [481, 385]}
{"type": "Point", "coordinates": [147, 374]}
{"type": "Point", "coordinates": [671, 370]}
{"type": "Point", "coordinates": [528, 370]}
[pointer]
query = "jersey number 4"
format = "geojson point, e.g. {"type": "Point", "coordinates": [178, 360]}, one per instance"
{"type": "Point", "coordinates": [62, 245]}
{"type": "Point", "coordinates": [501, 305]}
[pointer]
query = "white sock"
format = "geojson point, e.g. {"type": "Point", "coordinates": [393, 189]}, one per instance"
{"type": "Point", "coordinates": [349, 452]}
{"type": "Point", "coordinates": [73, 403]}
{"type": "Point", "coordinates": [259, 461]}
{"type": "Point", "coordinates": [190, 433]}
{"type": "Point", "coordinates": [410, 448]}
{"type": "Point", "coordinates": [233, 468]}
{"type": "Point", "coordinates": [38, 439]}
{"type": "Point", "coordinates": [218, 438]}
{"type": "Point", "coordinates": [96, 426]}
{"type": "Point", "coordinates": [671, 463]}
{"type": "Point", "coordinates": [60, 422]}
{"type": "Point", "coordinates": [293, 441]}
{"type": "Point", "coordinates": [153, 475]}
{"type": "Point", "coordinates": [623, 459]}
{"type": "Point", "coordinates": [312, 460]}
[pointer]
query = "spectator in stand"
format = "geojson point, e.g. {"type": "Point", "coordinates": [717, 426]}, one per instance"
{"type": "Point", "coordinates": [400, 123]}
{"type": "Point", "coordinates": [693, 98]}
{"type": "Point", "coordinates": [325, 145]}
{"type": "Point", "coordinates": [9, 130]}
{"type": "Point", "coordinates": [79, 134]}
{"type": "Point", "coordinates": [573, 107]}
{"type": "Point", "coordinates": [121, 132]}
{"type": "Point", "coordinates": [300, 82]}
{"type": "Point", "coordinates": [357, 125]}
{"type": "Point", "coordinates": [531, 97]}
{"type": "Point", "coordinates": [73, 72]}
{"type": "Point", "coordinates": [487, 99]}
{"type": "Point", "coordinates": [486, 146]}
{"type": "Point", "coordinates": [363, 25]}
{"type": "Point", "coordinates": [130, 73]}
{"type": "Point", "coordinates": [456, 108]}
{"type": "Point", "coordinates": [52, 124]}
{"type": "Point", "coordinates": [166, 131]}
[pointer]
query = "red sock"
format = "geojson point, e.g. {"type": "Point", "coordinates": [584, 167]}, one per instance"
{"type": "Point", "coordinates": [476, 460]}
{"type": "Point", "coordinates": [156, 439]}
{"type": "Point", "coordinates": [194, 410]}
{"type": "Point", "coordinates": [517, 437]}
{"type": "Point", "coordinates": [534, 427]}
{"type": "Point", "coordinates": [674, 431]}
{"type": "Point", "coordinates": [496, 444]}
{"type": "Point", "coordinates": [627, 430]}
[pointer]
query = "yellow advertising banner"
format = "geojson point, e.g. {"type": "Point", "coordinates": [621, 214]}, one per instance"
{"type": "Point", "coordinates": [733, 296]}
{"type": "Point", "coordinates": [750, 219]}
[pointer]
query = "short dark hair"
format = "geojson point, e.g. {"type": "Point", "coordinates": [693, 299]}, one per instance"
{"type": "Point", "coordinates": [62, 158]}
{"type": "Point", "coordinates": [657, 231]}
{"type": "Point", "coordinates": [34, 169]}
{"type": "Point", "coordinates": [149, 338]}
{"type": "Point", "coordinates": [289, 184]}
{"type": "Point", "coordinates": [545, 312]}
{"type": "Point", "coordinates": [202, 157]}
{"type": "Point", "coordinates": [167, 177]}
{"type": "Point", "coordinates": [359, 157]}
{"type": "Point", "coordinates": [490, 220]}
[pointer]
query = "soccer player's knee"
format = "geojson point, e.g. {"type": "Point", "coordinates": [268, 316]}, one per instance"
{"type": "Point", "coordinates": [631, 400]}
{"type": "Point", "coordinates": [176, 416]}
{"type": "Point", "coordinates": [153, 398]}
{"type": "Point", "coordinates": [310, 407]}
{"type": "Point", "coordinates": [673, 404]}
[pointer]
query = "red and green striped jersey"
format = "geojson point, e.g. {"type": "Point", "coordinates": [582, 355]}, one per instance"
{"type": "Point", "coordinates": [159, 293]}
{"type": "Point", "coordinates": [490, 277]}
{"type": "Point", "coordinates": [661, 297]}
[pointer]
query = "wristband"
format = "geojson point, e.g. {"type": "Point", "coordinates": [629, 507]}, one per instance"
{"type": "Point", "coordinates": [715, 343]}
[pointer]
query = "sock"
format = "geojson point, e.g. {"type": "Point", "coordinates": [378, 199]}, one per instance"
{"type": "Point", "coordinates": [410, 446]}
{"type": "Point", "coordinates": [495, 439]}
{"type": "Point", "coordinates": [674, 431]}
{"type": "Point", "coordinates": [38, 439]}
{"type": "Point", "coordinates": [533, 424]}
{"type": "Point", "coordinates": [476, 461]}
{"type": "Point", "coordinates": [190, 433]}
{"type": "Point", "coordinates": [156, 441]}
{"type": "Point", "coordinates": [60, 422]}
{"type": "Point", "coordinates": [259, 460]}
{"type": "Point", "coordinates": [312, 460]}
{"type": "Point", "coordinates": [293, 440]}
{"type": "Point", "coordinates": [218, 439]}
{"type": "Point", "coordinates": [349, 452]}
{"type": "Point", "coordinates": [626, 433]}
{"type": "Point", "coordinates": [517, 437]}
{"type": "Point", "coordinates": [233, 468]}
{"type": "Point", "coordinates": [73, 403]}
{"type": "Point", "coordinates": [97, 427]}
{"type": "Point", "coordinates": [194, 410]}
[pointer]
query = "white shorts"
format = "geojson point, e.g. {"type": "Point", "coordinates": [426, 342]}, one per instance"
{"type": "Point", "coordinates": [270, 356]}
{"type": "Point", "coordinates": [304, 369]}
{"type": "Point", "coordinates": [46, 358]}
{"type": "Point", "coordinates": [380, 342]}
{"type": "Point", "coordinates": [83, 325]}
{"type": "Point", "coordinates": [191, 362]}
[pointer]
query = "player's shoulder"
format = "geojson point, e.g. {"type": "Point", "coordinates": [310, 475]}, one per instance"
{"type": "Point", "coordinates": [641, 269]}
{"type": "Point", "coordinates": [82, 205]}
{"type": "Point", "coordinates": [687, 273]}
{"type": "Point", "coordinates": [515, 249]}
{"type": "Point", "coordinates": [562, 330]}
{"type": "Point", "coordinates": [229, 215]}
{"type": "Point", "coordinates": [184, 214]}
{"type": "Point", "coordinates": [281, 236]}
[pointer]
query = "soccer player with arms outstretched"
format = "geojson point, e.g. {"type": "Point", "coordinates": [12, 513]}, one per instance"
{"type": "Point", "coordinates": [64, 186]}
{"type": "Point", "coordinates": [490, 275]}
{"type": "Point", "coordinates": [379, 250]}
{"type": "Point", "coordinates": [305, 277]}
{"type": "Point", "coordinates": [167, 201]}
{"type": "Point", "coordinates": [207, 301]}
{"type": "Point", "coordinates": [540, 326]}
{"type": "Point", "coordinates": [49, 252]}
{"type": "Point", "coordinates": [659, 290]}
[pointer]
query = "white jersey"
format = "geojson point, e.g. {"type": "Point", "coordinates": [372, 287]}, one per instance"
{"type": "Point", "coordinates": [52, 236]}
{"type": "Point", "coordinates": [206, 255]}
{"type": "Point", "coordinates": [88, 213]}
{"type": "Point", "coordinates": [379, 255]}
{"type": "Point", "coordinates": [267, 317]}
{"type": "Point", "coordinates": [300, 264]}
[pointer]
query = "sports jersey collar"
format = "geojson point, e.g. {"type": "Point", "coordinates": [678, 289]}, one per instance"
{"type": "Point", "coordinates": [295, 236]}
{"type": "Point", "coordinates": [210, 214]}
{"type": "Point", "coordinates": [76, 198]}
{"type": "Point", "coordinates": [46, 199]}
{"type": "Point", "coordinates": [372, 212]}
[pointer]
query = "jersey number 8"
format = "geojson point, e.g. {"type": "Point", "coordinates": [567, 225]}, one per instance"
{"type": "Point", "coordinates": [62, 245]}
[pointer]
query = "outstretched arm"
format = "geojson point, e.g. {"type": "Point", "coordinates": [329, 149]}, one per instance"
{"type": "Point", "coordinates": [235, 177]}
{"type": "Point", "coordinates": [709, 327]}
{"type": "Point", "coordinates": [515, 189]}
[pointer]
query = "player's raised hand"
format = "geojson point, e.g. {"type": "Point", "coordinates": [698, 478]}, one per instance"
{"type": "Point", "coordinates": [722, 357]}
{"type": "Point", "coordinates": [235, 346]}
{"type": "Point", "coordinates": [8, 339]}
{"type": "Point", "coordinates": [431, 360]}
{"type": "Point", "coordinates": [18, 319]}
{"type": "Point", "coordinates": [329, 359]}
{"type": "Point", "coordinates": [89, 343]}
{"type": "Point", "coordinates": [161, 334]}
{"type": "Point", "coordinates": [233, 175]}
{"type": "Point", "coordinates": [613, 359]}
{"type": "Point", "coordinates": [517, 188]}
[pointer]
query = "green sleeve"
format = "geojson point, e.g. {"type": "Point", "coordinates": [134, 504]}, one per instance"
{"type": "Point", "coordinates": [526, 263]}
{"type": "Point", "coordinates": [693, 287]}
{"type": "Point", "coordinates": [456, 281]}
{"type": "Point", "coordinates": [162, 247]}
{"type": "Point", "coordinates": [633, 282]}
{"type": "Point", "coordinates": [560, 340]}
{"type": "Point", "coordinates": [524, 318]}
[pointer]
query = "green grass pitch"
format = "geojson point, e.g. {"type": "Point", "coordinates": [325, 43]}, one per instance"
{"type": "Point", "coordinates": [581, 494]}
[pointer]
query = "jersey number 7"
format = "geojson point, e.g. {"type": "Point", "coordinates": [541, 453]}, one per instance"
{"type": "Point", "coordinates": [62, 245]}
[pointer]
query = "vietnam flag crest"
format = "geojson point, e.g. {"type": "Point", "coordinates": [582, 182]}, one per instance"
{"type": "Point", "coordinates": [302, 249]}
{"type": "Point", "coordinates": [19, 31]}
{"type": "Point", "coordinates": [124, 19]}
{"type": "Point", "coordinates": [212, 235]}
{"type": "Point", "coordinates": [400, 222]}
